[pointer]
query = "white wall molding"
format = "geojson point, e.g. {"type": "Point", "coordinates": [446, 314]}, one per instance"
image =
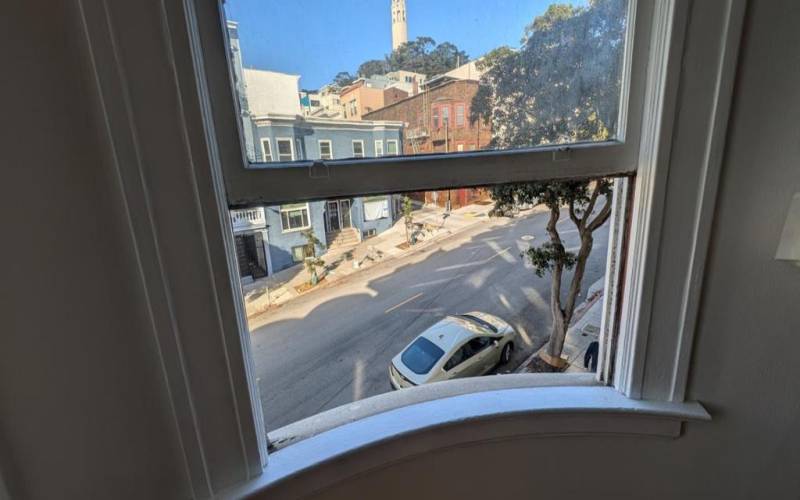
{"type": "Point", "coordinates": [181, 229]}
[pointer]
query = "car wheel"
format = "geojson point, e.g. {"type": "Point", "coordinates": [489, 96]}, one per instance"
{"type": "Point", "coordinates": [505, 356]}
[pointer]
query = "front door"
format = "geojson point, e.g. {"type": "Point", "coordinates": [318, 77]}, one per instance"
{"type": "Point", "coordinates": [344, 211]}
{"type": "Point", "coordinates": [339, 215]}
{"type": "Point", "coordinates": [333, 216]}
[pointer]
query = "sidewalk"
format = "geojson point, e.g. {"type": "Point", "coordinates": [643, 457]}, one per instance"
{"type": "Point", "coordinates": [585, 329]}
{"type": "Point", "coordinates": [431, 224]}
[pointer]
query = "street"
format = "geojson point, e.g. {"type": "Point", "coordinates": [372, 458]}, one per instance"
{"type": "Point", "coordinates": [333, 345]}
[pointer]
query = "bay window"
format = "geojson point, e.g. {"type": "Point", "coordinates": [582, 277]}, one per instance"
{"type": "Point", "coordinates": [612, 158]}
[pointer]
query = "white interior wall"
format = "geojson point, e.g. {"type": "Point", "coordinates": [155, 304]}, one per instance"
{"type": "Point", "coordinates": [83, 409]}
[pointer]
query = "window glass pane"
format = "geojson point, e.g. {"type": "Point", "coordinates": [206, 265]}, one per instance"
{"type": "Point", "coordinates": [285, 150]}
{"type": "Point", "coordinates": [509, 73]}
{"type": "Point", "coordinates": [396, 285]}
{"type": "Point", "coordinates": [325, 152]}
{"type": "Point", "coordinates": [358, 149]}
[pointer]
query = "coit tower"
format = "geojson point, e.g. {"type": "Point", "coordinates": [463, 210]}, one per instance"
{"type": "Point", "coordinates": [399, 24]}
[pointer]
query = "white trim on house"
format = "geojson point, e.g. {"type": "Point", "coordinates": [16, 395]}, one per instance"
{"type": "Point", "coordinates": [378, 150]}
{"type": "Point", "coordinates": [307, 208]}
{"type": "Point", "coordinates": [330, 148]}
{"type": "Point", "coordinates": [264, 155]}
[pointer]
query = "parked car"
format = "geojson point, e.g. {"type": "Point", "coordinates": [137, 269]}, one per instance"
{"type": "Point", "coordinates": [464, 345]}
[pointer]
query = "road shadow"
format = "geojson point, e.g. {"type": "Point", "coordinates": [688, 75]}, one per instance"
{"type": "Point", "coordinates": [333, 346]}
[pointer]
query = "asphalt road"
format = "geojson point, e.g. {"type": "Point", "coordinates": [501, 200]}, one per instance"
{"type": "Point", "coordinates": [333, 346]}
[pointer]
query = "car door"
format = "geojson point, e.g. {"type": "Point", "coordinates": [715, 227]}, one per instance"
{"type": "Point", "coordinates": [470, 358]}
{"type": "Point", "coordinates": [486, 353]}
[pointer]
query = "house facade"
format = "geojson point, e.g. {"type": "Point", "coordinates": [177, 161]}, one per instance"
{"type": "Point", "coordinates": [437, 121]}
{"type": "Point", "coordinates": [276, 129]}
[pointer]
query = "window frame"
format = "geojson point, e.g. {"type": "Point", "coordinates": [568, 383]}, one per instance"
{"type": "Point", "coordinates": [264, 151]}
{"type": "Point", "coordinates": [378, 150]}
{"type": "Point", "coordinates": [330, 148]}
{"type": "Point", "coordinates": [306, 207]}
{"type": "Point", "coordinates": [396, 144]}
{"type": "Point", "coordinates": [278, 141]}
{"type": "Point", "coordinates": [463, 107]}
{"type": "Point", "coordinates": [361, 143]}
{"type": "Point", "coordinates": [191, 42]}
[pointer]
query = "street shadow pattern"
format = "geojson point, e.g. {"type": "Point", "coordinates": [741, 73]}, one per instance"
{"type": "Point", "coordinates": [333, 346]}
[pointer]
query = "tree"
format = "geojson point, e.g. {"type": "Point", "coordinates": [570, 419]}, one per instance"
{"type": "Point", "coordinates": [343, 78]}
{"type": "Point", "coordinates": [408, 217]}
{"type": "Point", "coordinates": [421, 55]}
{"type": "Point", "coordinates": [561, 86]}
{"type": "Point", "coordinates": [311, 261]}
{"type": "Point", "coordinates": [372, 67]}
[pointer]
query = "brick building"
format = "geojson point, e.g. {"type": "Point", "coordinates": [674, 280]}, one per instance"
{"type": "Point", "coordinates": [437, 121]}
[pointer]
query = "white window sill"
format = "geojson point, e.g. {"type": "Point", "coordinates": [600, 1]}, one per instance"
{"type": "Point", "coordinates": [550, 410]}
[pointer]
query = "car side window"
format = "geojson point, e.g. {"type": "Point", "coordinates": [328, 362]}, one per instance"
{"type": "Point", "coordinates": [455, 359]}
{"type": "Point", "coordinates": [479, 343]}
{"type": "Point", "coordinates": [467, 350]}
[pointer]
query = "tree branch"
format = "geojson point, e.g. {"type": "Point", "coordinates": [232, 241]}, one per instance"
{"type": "Point", "coordinates": [602, 217]}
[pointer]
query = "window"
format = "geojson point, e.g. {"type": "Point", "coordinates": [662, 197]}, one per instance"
{"type": "Point", "coordinates": [266, 150]}
{"type": "Point", "coordinates": [391, 147]}
{"type": "Point", "coordinates": [421, 355]}
{"type": "Point", "coordinates": [299, 149]}
{"type": "Point", "coordinates": [294, 217]}
{"type": "Point", "coordinates": [301, 252]}
{"type": "Point", "coordinates": [378, 147]}
{"type": "Point", "coordinates": [460, 115]}
{"type": "Point", "coordinates": [358, 149]}
{"type": "Point", "coordinates": [446, 116]}
{"type": "Point", "coordinates": [435, 114]}
{"type": "Point", "coordinates": [285, 150]}
{"type": "Point", "coordinates": [376, 208]}
{"type": "Point", "coordinates": [460, 147]}
{"type": "Point", "coordinates": [325, 150]}
{"type": "Point", "coordinates": [615, 153]}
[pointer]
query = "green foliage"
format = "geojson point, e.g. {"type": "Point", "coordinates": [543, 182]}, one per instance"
{"type": "Point", "coordinates": [422, 55]}
{"type": "Point", "coordinates": [545, 257]}
{"type": "Point", "coordinates": [311, 240]}
{"type": "Point", "coordinates": [562, 85]}
{"type": "Point", "coordinates": [343, 78]}
{"type": "Point", "coordinates": [408, 217]}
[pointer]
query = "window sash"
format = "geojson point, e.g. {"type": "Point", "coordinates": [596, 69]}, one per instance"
{"type": "Point", "coordinates": [278, 182]}
{"type": "Point", "coordinates": [360, 148]}
{"type": "Point", "coordinates": [285, 156]}
{"type": "Point", "coordinates": [291, 214]}
{"type": "Point", "coordinates": [378, 147]}
{"type": "Point", "coordinates": [326, 155]}
{"type": "Point", "coordinates": [266, 150]}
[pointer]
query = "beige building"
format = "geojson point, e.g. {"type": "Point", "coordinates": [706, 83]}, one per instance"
{"type": "Point", "coordinates": [368, 94]}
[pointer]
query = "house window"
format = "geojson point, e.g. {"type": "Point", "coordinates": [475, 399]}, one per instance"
{"type": "Point", "coordinates": [358, 149]}
{"type": "Point", "coordinates": [301, 252]}
{"type": "Point", "coordinates": [460, 115]}
{"type": "Point", "coordinates": [435, 111]}
{"type": "Point", "coordinates": [369, 233]}
{"type": "Point", "coordinates": [379, 147]}
{"type": "Point", "coordinates": [325, 150]}
{"type": "Point", "coordinates": [376, 208]}
{"type": "Point", "coordinates": [298, 149]}
{"type": "Point", "coordinates": [460, 147]}
{"type": "Point", "coordinates": [446, 116]}
{"type": "Point", "coordinates": [294, 217]}
{"type": "Point", "coordinates": [266, 150]}
{"type": "Point", "coordinates": [285, 150]}
{"type": "Point", "coordinates": [391, 147]}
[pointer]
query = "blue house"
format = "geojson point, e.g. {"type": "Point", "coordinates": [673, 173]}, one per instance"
{"type": "Point", "coordinates": [338, 222]}
{"type": "Point", "coordinates": [270, 239]}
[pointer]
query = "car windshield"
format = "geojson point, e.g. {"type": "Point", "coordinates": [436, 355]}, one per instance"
{"type": "Point", "coordinates": [421, 355]}
{"type": "Point", "coordinates": [483, 324]}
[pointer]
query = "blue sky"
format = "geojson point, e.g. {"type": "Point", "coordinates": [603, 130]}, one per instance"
{"type": "Point", "coordinates": [318, 38]}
